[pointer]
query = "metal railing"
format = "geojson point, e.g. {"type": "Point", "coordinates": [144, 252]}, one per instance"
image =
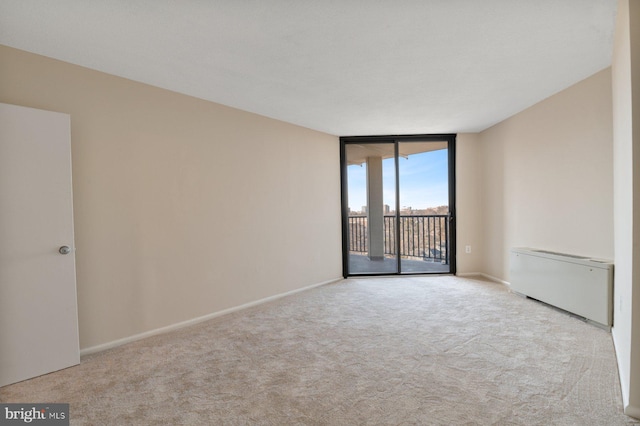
{"type": "Point", "coordinates": [421, 236]}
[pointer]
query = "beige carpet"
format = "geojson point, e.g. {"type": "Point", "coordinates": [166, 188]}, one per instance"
{"type": "Point", "coordinates": [387, 351]}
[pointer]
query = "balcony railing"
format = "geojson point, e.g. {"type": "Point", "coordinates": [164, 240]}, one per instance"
{"type": "Point", "coordinates": [421, 236]}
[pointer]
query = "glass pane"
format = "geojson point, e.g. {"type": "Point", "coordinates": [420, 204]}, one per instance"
{"type": "Point", "coordinates": [424, 212]}
{"type": "Point", "coordinates": [371, 204]}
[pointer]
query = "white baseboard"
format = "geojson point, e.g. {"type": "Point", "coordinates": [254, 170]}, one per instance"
{"type": "Point", "coordinates": [497, 280]}
{"type": "Point", "coordinates": [623, 384]}
{"type": "Point", "coordinates": [482, 274]}
{"type": "Point", "coordinates": [632, 411]}
{"type": "Point", "coordinates": [172, 327]}
{"type": "Point", "coordinates": [467, 274]}
{"type": "Point", "coordinates": [629, 410]}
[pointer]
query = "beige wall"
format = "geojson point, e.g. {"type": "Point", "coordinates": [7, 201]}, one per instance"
{"type": "Point", "coordinates": [546, 177]}
{"type": "Point", "coordinates": [182, 207]}
{"type": "Point", "coordinates": [626, 131]}
{"type": "Point", "coordinates": [468, 204]}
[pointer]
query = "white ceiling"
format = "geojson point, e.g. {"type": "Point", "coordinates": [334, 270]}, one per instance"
{"type": "Point", "coordinates": [345, 67]}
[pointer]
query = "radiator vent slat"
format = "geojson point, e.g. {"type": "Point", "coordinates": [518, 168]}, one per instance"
{"type": "Point", "coordinates": [577, 284]}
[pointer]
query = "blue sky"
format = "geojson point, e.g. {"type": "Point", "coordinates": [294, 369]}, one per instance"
{"type": "Point", "coordinates": [423, 179]}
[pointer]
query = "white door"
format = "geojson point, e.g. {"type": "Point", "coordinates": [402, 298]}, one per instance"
{"type": "Point", "coordinates": [38, 304]}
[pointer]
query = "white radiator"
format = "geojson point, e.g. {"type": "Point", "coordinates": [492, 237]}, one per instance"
{"type": "Point", "coordinates": [576, 284]}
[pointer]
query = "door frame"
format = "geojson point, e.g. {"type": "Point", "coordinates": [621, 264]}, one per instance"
{"type": "Point", "coordinates": [450, 138]}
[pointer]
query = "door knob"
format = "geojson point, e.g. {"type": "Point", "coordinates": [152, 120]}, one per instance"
{"type": "Point", "coordinates": [64, 250]}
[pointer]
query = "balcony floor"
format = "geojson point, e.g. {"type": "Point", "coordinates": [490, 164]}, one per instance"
{"type": "Point", "coordinates": [360, 264]}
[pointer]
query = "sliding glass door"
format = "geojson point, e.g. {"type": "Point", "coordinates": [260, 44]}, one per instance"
{"type": "Point", "coordinates": [398, 204]}
{"type": "Point", "coordinates": [371, 188]}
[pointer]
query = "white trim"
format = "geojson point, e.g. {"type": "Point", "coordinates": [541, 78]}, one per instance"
{"type": "Point", "coordinates": [468, 274]}
{"type": "Point", "coordinates": [632, 411]}
{"type": "Point", "coordinates": [497, 280]}
{"type": "Point", "coordinates": [172, 327]}
{"type": "Point", "coordinates": [629, 410]}
{"type": "Point", "coordinates": [482, 274]}
{"type": "Point", "coordinates": [623, 384]}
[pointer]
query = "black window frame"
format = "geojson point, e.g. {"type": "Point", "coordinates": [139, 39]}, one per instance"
{"type": "Point", "coordinates": [450, 138]}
